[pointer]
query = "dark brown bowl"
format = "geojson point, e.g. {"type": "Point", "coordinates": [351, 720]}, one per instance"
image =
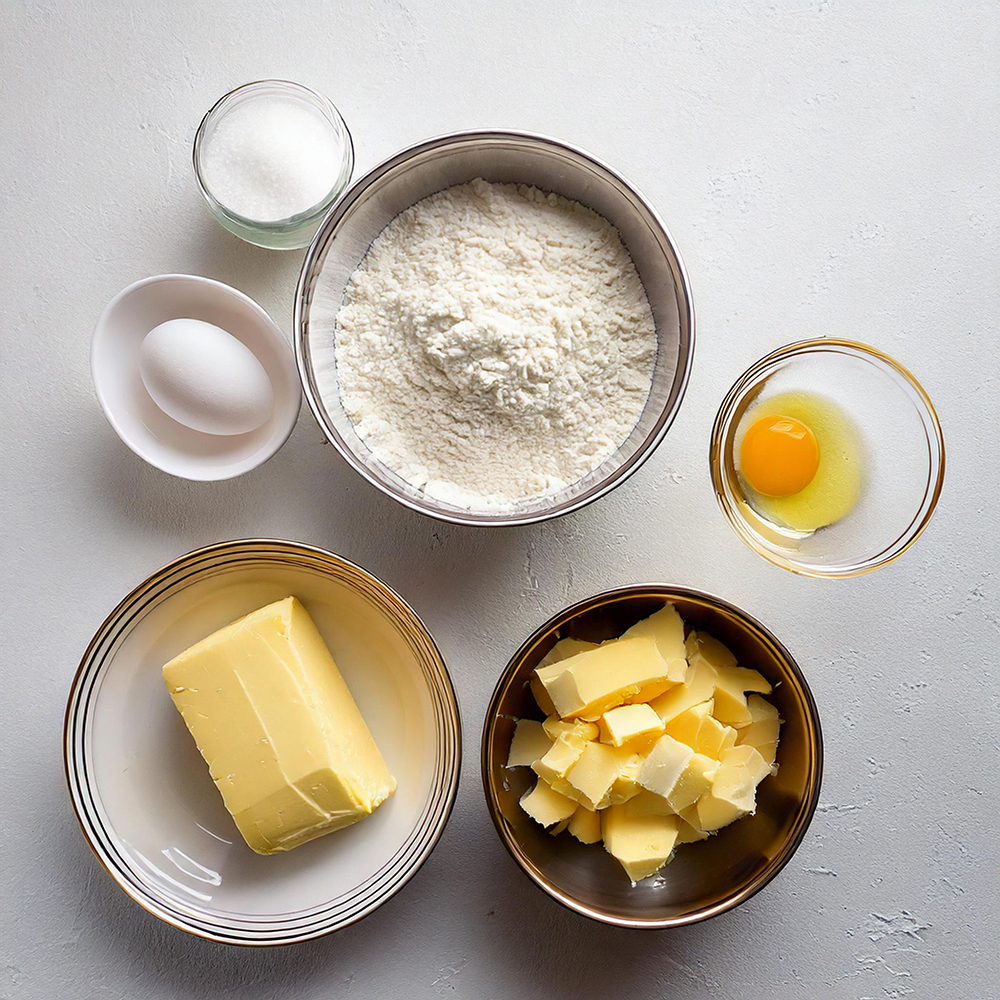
{"type": "Point", "coordinates": [706, 878]}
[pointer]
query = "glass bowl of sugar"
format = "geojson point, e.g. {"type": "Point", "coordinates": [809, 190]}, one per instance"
{"type": "Point", "coordinates": [270, 158]}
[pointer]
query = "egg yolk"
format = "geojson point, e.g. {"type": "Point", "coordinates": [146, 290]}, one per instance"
{"type": "Point", "coordinates": [779, 456]}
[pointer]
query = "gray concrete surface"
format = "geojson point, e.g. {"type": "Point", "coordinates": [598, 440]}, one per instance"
{"type": "Point", "coordinates": [826, 168]}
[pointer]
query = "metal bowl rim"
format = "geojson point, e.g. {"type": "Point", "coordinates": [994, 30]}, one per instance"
{"type": "Point", "coordinates": [327, 232]}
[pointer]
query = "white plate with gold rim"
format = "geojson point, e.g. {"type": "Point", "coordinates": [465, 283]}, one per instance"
{"type": "Point", "coordinates": [142, 792]}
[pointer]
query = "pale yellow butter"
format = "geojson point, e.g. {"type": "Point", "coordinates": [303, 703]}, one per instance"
{"type": "Point", "coordinates": [626, 785]}
{"type": "Point", "coordinates": [561, 756]}
{"type": "Point", "coordinates": [282, 736]}
{"type": "Point", "coordinates": [593, 775]}
{"type": "Point", "coordinates": [629, 722]}
{"type": "Point", "coordinates": [731, 796]}
{"type": "Point", "coordinates": [529, 743]}
{"type": "Point", "coordinates": [594, 681]}
{"type": "Point", "coordinates": [667, 630]}
{"type": "Point", "coordinates": [585, 825]}
{"type": "Point", "coordinates": [748, 757]}
{"type": "Point", "coordinates": [731, 686]}
{"type": "Point", "coordinates": [664, 766]}
{"type": "Point", "coordinates": [562, 650]}
{"type": "Point", "coordinates": [699, 687]}
{"type": "Point", "coordinates": [545, 805]}
{"type": "Point", "coordinates": [555, 727]}
{"type": "Point", "coordinates": [641, 844]}
{"type": "Point", "coordinates": [694, 781]}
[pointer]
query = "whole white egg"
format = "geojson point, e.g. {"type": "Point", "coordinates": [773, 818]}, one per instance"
{"type": "Point", "coordinates": [204, 377]}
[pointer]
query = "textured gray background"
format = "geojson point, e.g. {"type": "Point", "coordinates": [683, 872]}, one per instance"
{"type": "Point", "coordinates": [826, 168]}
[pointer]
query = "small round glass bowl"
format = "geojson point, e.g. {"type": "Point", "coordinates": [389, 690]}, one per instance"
{"type": "Point", "coordinates": [902, 454]}
{"type": "Point", "coordinates": [296, 231]}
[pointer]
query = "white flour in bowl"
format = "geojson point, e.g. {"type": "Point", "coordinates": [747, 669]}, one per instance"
{"type": "Point", "coordinates": [495, 344]}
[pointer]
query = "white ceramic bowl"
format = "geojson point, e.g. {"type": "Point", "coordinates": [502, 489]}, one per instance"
{"type": "Point", "coordinates": [141, 424]}
{"type": "Point", "coordinates": [144, 797]}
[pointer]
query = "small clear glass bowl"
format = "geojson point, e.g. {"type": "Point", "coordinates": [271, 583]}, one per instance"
{"type": "Point", "coordinates": [296, 231]}
{"type": "Point", "coordinates": [902, 455]}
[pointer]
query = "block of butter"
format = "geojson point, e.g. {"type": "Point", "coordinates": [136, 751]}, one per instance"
{"type": "Point", "coordinates": [277, 726]}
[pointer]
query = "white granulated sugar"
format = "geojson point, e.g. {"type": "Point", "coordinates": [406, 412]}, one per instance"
{"type": "Point", "coordinates": [495, 345]}
{"type": "Point", "coordinates": [270, 158]}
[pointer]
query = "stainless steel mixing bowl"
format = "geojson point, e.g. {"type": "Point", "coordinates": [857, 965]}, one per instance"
{"type": "Point", "coordinates": [428, 167]}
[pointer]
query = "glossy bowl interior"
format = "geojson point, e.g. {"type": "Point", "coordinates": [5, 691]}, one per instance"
{"type": "Point", "coordinates": [706, 878]}
{"type": "Point", "coordinates": [144, 797]}
{"type": "Point", "coordinates": [902, 451]}
{"type": "Point", "coordinates": [422, 170]}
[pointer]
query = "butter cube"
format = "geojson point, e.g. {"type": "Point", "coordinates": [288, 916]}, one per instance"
{"type": "Point", "coordinates": [694, 781]}
{"type": "Point", "coordinates": [732, 795]}
{"type": "Point", "coordinates": [641, 844]}
{"type": "Point", "coordinates": [562, 825]}
{"type": "Point", "coordinates": [529, 743]}
{"type": "Point", "coordinates": [714, 737]}
{"type": "Point", "coordinates": [284, 740]}
{"type": "Point", "coordinates": [699, 687]}
{"type": "Point", "coordinates": [762, 733]}
{"type": "Point", "coordinates": [626, 785]}
{"type": "Point", "coordinates": [555, 727]}
{"type": "Point", "coordinates": [648, 803]}
{"type": "Point", "coordinates": [687, 726]}
{"type": "Point", "coordinates": [545, 805]}
{"type": "Point", "coordinates": [585, 825]}
{"type": "Point", "coordinates": [702, 648]}
{"type": "Point", "coordinates": [561, 756]}
{"type": "Point", "coordinates": [748, 757]}
{"type": "Point", "coordinates": [688, 834]}
{"type": "Point", "coordinates": [667, 629]}
{"type": "Point", "coordinates": [592, 776]}
{"type": "Point", "coordinates": [629, 722]}
{"type": "Point", "coordinates": [664, 766]}
{"type": "Point", "coordinates": [562, 650]}
{"type": "Point", "coordinates": [730, 694]}
{"type": "Point", "coordinates": [591, 682]}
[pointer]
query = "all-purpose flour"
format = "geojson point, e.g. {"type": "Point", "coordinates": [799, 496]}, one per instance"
{"type": "Point", "coordinates": [495, 344]}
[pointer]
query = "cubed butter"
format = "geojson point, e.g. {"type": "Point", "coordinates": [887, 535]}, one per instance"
{"type": "Point", "coordinates": [731, 686]}
{"type": "Point", "coordinates": [731, 796]}
{"type": "Point", "coordinates": [545, 805]}
{"type": "Point", "coordinates": [592, 776]}
{"type": "Point", "coordinates": [561, 756]}
{"type": "Point", "coordinates": [629, 722]}
{"type": "Point", "coordinates": [667, 629]}
{"type": "Point", "coordinates": [529, 743]}
{"type": "Point", "coordinates": [714, 737]}
{"type": "Point", "coordinates": [704, 648]}
{"type": "Point", "coordinates": [585, 825]}
{"type": "Point", "coordinates": [699, 687]}
{"type": "Point", "coordinates": [688, 834]}
{"type": "Point", "coordinates": [626, 785]}
{"type": "Point", "coordinates": [694, 781]}
{"type": "Point", "coordinates": [283, 738]}
{"type": "Point", "coordinates": [648, 804]}
{"type": "Point", "coordinates": [664, 766]}
{"type": "Point", "coordinates": [591, 682]}
{"type": "Point", "coordinates": [687, 726]}
{"type": "Point", "coordinates": [762, 733]}
{"type": "Point", "coordinates": [555, 727]}
{"type": "Point", "coordinates": [562, 650]}
{"type": "Point", "coordinates": [748, 757]}
{"type": "Point", "coordinates": [641, 844]}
